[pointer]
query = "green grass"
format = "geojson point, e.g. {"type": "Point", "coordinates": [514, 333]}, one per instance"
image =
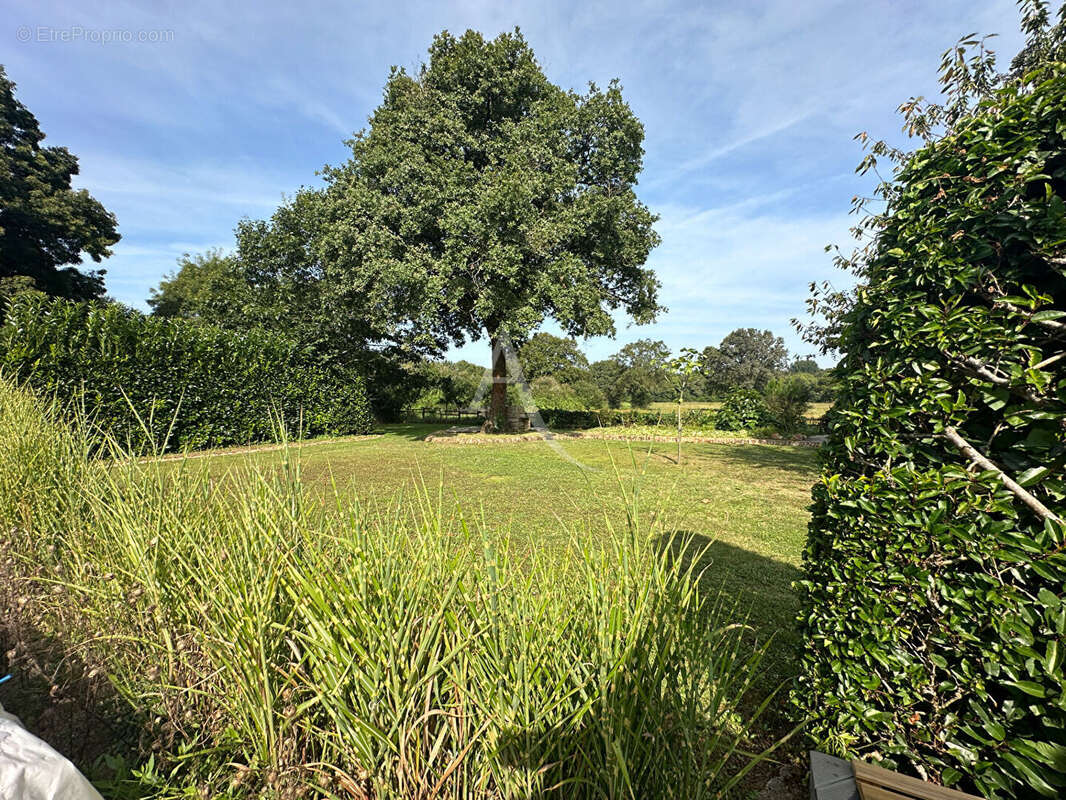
{"type": "Point", "coordinates": [748, 502]}
{"type": "Point", "coordinates": [390, 617]}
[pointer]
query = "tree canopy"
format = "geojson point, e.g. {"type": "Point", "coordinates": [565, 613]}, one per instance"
{"type": "Point", "coordinates": [647, 354]}
{"type": "Point", "coordinates": [750, 357]}
{"type": "Point", "coordinates": [277, 281]}
{"type": "Point", "coordinates": [45, 225]}
{"type": "Point", "coordinates": [209, 287]}
{"type": "Point", "coordinates": [545, 354]}
{"type": "Point", "coordinates": [483, 200]}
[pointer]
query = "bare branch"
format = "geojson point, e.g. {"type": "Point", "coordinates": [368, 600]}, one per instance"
{"type": "Point", "coordinates": [1049, 324]}
{"type": "Point", "coordinates": [1050, 360]}
{"type": "Point", "coordinates": [985, 371]}
{"type": "Point", "coordinates": [1017, 490]}
{"type": "Point", "coordinates": [982, 370]}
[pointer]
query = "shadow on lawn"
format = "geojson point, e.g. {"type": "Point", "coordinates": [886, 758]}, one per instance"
{"type": "Point", "coordinates": [757, 588]}
{"type": "Point", "coordinates": [786, 458]}
{"type": "Point", "coordinates": [760, 586]}
{"type": "Point", "coordinates": [410, 431]}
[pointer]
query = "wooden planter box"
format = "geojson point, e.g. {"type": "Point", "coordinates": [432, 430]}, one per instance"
{"type": "Point", "coordinates": [836, 779]}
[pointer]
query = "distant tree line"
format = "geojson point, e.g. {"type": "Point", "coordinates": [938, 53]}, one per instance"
{"type": "Point", "coordinates": [560, 375]}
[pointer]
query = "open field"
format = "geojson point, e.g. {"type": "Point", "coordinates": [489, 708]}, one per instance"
{"type": "Point", "coordinates": [748, 501]}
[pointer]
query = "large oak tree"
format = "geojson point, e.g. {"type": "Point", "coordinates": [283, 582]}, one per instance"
{"type": "Point", "coordinates": [483, 199]}
{"type": "Point", "coordinates": [45, 225]}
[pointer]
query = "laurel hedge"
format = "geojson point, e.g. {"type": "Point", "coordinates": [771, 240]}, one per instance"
{"type": "Point", "coordinates": [934, 615]}
{"type": "Point", "coordinates": [159, 384]}
{"type": "Point", "coordinates": [579, 420]}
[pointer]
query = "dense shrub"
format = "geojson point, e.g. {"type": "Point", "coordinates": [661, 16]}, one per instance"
{"type": "Point", "coordinates": [588, 394]}
{"type": "Point", "coordinates": [821, 385]}
{"type": "Point", "coordinates": [934, 612]}
{"type": "Point", "coordinates": [742, 410]}
{"type": "Point", "coordinates": [787, 400]}
{"type": "Point", "coordinates": [177, 382]}
{"type": "Point", "coordinates": [565, 419]}
{"type": "Point", "coordinates": [548, 391]}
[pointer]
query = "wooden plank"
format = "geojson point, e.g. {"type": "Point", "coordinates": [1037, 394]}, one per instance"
{"type": "Point", "coordinates": [832, 778]}
{"type": "Point", "coordinates": [878, 776]}
{"type": "Point", "coordinates": [868, 791]}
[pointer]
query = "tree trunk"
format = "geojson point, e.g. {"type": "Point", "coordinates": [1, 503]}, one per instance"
{"type": "Point", "coordinates": [498, 397]}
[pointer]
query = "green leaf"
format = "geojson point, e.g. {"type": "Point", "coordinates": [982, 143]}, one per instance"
{"type": "Point", "coordinates": [1029, 687]}
{"type": "Point", "coordinates": [1033, 475]}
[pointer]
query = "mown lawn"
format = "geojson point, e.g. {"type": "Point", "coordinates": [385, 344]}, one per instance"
{"type": "Point", "coordinates": [748, 502]}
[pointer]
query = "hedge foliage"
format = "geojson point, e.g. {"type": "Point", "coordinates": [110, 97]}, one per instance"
{"type": "Point", "coordinates": [934, 615]}
{"type": "Point", "coordinates": [787, 400]}
{"type": "Point", "coordinates": [742, 410]}
{"type": "Point", "coordinates": [578, 420]}
{"type": "Point", "coordinates": [215, 387]}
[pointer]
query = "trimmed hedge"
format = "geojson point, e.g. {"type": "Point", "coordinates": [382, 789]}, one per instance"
{"type": "Point", "coordinates": [934, 609]}
{"type": "Point", "coordinates": [217, 387]}
{"type": "Point", "coordinates": [579, 420]}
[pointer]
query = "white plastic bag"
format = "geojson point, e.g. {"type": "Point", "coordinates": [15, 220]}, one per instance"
{"type": "Point", "coordinates": [31, 770]}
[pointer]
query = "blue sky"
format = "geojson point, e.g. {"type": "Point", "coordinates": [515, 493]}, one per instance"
{"type": "Point", "coordinates": [749, 111]}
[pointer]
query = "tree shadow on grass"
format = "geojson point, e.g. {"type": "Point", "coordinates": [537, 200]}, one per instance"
{"type": "Point", "coordinates": [784, 458]}
{"type": "Point", "coordinates": [758, 588]}
{"type": "Point", "coordinates": [411, 431]}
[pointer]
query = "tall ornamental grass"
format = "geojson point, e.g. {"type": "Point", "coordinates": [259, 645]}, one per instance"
{"type": "Point", "coordinates": [280, 647]}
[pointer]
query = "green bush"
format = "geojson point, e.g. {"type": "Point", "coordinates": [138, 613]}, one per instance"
{"type": "Point", "coordinates": [742, 410]}
{"type": "Point", "coordinates": [152, 382]}
{"type": "Point", "coordinates": [822, 385]}
{"type": "Point", "coordinates": [566, 419]}
{"type": "Point", "coordinates": [934, 616]}
{"type": "Point", "coordinates": [546, 390]}
{"type": "Point", "coordinates": [766, 432]}
{"type": "Point", "coordinates": [588, 394]}
{"type": "Point", "coordinates": [787, 401]}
